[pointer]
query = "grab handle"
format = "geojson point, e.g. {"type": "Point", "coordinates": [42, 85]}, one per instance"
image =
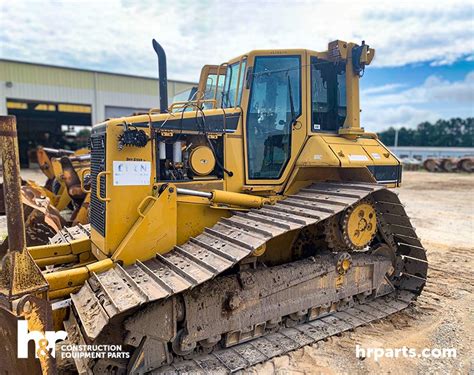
{"type": "Point", "coordinates": [98, 191]}
{"type": "Point", "coordinates": [142, 203]}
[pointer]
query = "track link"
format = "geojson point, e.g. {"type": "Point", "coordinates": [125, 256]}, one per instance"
{"type": "Point", "coordinates": [264, 348]}
{"type": "Point", "coordinates": [119, 292]}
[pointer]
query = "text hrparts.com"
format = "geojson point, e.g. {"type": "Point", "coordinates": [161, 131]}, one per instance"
{"type": "Point", "coordinates": [404, 352]}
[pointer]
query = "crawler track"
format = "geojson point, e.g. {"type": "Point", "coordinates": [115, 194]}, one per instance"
{"type": "Point", "coordinates": [120, 293]}
{"type": "Point", "coordinates": [262, 349]}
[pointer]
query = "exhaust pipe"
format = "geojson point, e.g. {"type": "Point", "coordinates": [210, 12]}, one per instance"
{"type": "Point", "coordinates": [162, 76]}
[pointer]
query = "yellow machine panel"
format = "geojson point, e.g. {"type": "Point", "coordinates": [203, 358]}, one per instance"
{"type": "Point", "coordinates": [202, 161]}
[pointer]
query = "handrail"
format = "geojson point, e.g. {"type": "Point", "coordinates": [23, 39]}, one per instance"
{"type": "Point", "coordinates": [183, 104]}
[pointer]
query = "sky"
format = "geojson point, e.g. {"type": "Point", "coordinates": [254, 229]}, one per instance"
{"type": "Point", "coordinates": [423, 68]}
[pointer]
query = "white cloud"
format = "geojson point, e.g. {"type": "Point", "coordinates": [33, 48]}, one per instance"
{"type": "Point", "coordinates": [435, 98]}
{"type": "Point", "coordinates": [116, 36]}
{"type": "Point", "coordinates": [397, 116]}
{"type": "Point", "coordinates": [389, 87]}
{"type": "Point", "coordinates": [433, 90]}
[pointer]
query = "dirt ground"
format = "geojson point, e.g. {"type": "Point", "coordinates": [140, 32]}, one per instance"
{"type": "Point", "coordinates": [441, 207]}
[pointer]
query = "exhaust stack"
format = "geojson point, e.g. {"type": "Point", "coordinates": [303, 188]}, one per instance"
{"type": "Point", "coordinates": [162, 76]}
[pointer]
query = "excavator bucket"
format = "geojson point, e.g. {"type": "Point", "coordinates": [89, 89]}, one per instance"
{"type": "Point", "coordinates": [19, 353]}
{"type": "Point", "coordinates": [42, 220]}
{"type": "Point", "coordinates": [72, 180]}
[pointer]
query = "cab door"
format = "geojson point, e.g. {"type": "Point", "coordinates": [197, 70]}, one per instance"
{"type": "Point", "coordinates": [275, 122]}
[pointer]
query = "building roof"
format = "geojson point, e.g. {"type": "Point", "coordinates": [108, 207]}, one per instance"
{"type": "Point", "coordinates": [90, 70]}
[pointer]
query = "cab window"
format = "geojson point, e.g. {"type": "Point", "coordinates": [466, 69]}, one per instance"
{"type": "Point", "coordinates": [210, 89]}
{"type": "Point", "coordinates": [274, 105]}
{"type": "Point", "coordinates": [230, 85]}
{"type": "Point", "coordinates": [328, 95]}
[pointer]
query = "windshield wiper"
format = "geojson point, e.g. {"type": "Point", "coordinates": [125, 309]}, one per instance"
{"type": "Point", "coordinates": [292, 105]}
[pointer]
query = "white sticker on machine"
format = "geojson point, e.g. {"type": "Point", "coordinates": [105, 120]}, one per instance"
{"type": "Point", "coordinates": [132, 173]}
{"type": "Point", "coordinates": [375, 155]}
{"type": "Point", "coordinates": [358, 157]}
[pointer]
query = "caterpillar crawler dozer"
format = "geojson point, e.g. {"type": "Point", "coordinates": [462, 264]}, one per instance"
{"type": "Point", "coordinates": [225, 230]}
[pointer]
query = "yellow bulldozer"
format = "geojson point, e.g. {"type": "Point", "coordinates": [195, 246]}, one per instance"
{"type": "Point", "coordinates": [243, 223]}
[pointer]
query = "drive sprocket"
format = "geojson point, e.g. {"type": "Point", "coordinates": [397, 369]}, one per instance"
{"type": "Point", "coordinates": [333, 235]}
{"type": "Point", "coordinates": [352, 230]}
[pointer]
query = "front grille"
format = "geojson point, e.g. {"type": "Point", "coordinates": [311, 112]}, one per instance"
{"type": "Point", "coordinates": [386, 173]}
{"type": "Point", "coordinates": [97, 207]}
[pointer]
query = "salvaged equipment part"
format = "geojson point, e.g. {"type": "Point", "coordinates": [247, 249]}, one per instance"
{"type": "Point", "coordinates": [66, 188]}
{"type": "Point", "coordinates": [464, 164]}
{"type": "Point", "coordinates": [246, 222]}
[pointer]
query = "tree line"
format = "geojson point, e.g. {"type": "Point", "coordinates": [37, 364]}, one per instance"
{"type": "Point", "coordinates": [455, 132]}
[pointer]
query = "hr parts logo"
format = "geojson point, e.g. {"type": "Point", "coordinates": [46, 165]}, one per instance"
{"type": "Point", "coordinates": [44, 343]}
